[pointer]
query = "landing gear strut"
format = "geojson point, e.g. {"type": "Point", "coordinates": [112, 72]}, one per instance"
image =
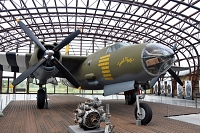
{"type": "Point", "coordinates": [42, 98]}
{"type": "Point", "coordinates": [142, 111]}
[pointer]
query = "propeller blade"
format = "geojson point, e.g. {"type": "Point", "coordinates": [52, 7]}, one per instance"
{"type": "Point", "coordinates": [28, 72]}
{"type": "Point", "coordinates": [173, 74]}
{"type": "Point", "coordinates": [174, 47]}
{"type": "Point", "coordinates": [30, 34]}
{"type": "Point", "coordinates": [66, 73]}
{"type": "Point", "coordinates": [67, 40]}
{"type": "Point", "coordinates": [153, 81]}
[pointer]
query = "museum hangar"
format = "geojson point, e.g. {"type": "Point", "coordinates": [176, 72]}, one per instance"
{"type": "Point", "coordinates": [103, 23]}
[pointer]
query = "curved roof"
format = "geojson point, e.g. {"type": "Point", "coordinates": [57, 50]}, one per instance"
{"type": "Point", "coordinates": [104, 22]}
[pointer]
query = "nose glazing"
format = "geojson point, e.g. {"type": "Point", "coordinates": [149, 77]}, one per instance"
{"type": "Point", "coordinates": [157, 58]}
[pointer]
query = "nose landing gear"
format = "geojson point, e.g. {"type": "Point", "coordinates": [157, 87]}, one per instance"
{"type": "Point", "coordinates": [142, 111]}
{"type": "Point", "coordinates": [42, 98]}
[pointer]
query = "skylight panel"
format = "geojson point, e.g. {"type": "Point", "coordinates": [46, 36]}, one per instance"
{"type": "Point", "coordinates": [139, 12]}
{"type": "Point", "coordinates": [5, 25]}
{"type": "Point", "coordinates": [91, 11]}
{"type": "Point", "coordinates": [170, 4]}
{"type": "Point", "coordinates": [62, 10]}
{"type": "Point", "coordinates": [38, 4]}
{"type": "Point", "coordinates": [72, 10]}
{"type": "Point", "coordinates": [189, 11]}
{"type": "Point", "coordinates": [127, 25]}
{"type": "Point", "coordinates": [9, 5]}
{"type": "Point", "coordinates": [71, 3]}
{"type": "Point", "coordinates": [14, 12]}
{"type": "Point", "coordinates": [60, 3]}
{"type": "Point", "coordinates": [122, 8]}
{"type": "Point", "coordinates": [102, 5]}
{"type": "Point", "coordinates": [32, 10]}
{"type": "Point", "coordinates": [150, 2]}
{"type": "Point", "coordinates": [81, 10]}
{"type": "Point", "coordinates": [51, 9]}
{"type": "Point", "coordinates": [114, 6]}
{"type": "Point", "coordinates": [100, 12]}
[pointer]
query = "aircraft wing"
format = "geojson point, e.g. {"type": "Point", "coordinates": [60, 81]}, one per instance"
{"type": "Point", "coordinates": [71, 63]}
{"type": "Point", "coordinates": [14, 62]}
{"type": "Point", "coordinates": [19, 62]}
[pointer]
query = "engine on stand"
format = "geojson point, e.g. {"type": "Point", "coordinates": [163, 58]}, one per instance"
{"type": "Point", "coordinates": [90, 114]}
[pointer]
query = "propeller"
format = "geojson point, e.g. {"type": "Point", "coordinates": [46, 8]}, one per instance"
{"type": "Point", "coordinates": [173, 74]}
{"type": "Point", "coordinates": [28, 72]}
{"type": "Point", "coordinates": [48, 55]}
{"type": "Point", "coordinates": [170, 71]}
{"type": "Point", "coordinates": [67, 40]}
{"type": "Point", "coordinates": [65, 72]}
{"type": "Point", "coordinates": [31, 35]}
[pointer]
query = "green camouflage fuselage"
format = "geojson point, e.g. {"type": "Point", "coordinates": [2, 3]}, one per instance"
{"type": "Point", "coordinates": [103, 67]}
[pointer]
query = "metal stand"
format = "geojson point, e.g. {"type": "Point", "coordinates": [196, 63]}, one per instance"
{"type": "Point", "coordinates": [1, 114]}
{"type": "Point", "coordinates": [77, 129]}
{"type": "Point", "coordinates": [109, 128]}
{"type": "Point", "coordinates": [197, 96]}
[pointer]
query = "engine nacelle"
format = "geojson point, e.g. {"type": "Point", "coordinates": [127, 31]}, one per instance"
{"type": "Point", "coordinates": [47, 69]}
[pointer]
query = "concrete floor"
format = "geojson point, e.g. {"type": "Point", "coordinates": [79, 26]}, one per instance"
{"type": "Point", "coordinates": [192, 118]}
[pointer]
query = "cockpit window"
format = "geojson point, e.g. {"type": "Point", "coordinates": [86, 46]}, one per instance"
{"type": "Point", "coordinates": [116, 47]}
{"type": "Point", "coordinates": [157, 58]}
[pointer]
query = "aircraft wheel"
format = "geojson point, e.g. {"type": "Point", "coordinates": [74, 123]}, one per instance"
{"type": "Point", "coordinates": [131, 99]}
{"type": "Point", "coordinates": [41, 98]}
{"type": "Point", "coordinates": [146, 113]}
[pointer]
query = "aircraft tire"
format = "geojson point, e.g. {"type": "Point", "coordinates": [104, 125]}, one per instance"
{"type": "Point", "coordinates": [146, 113]}
{"type": "Point", "coordinates": [131, 99]}
{"type": "Point", "coordinates": [41, 99]}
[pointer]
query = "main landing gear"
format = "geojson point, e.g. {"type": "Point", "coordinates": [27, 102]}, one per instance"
{"type": "Point", "coordinates": [130, 97]}
{"type": "Point", "coordinates": [42, 98]}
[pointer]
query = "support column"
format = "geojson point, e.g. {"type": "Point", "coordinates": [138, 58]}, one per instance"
{"type": "Point", "coordinates": [1, 76]}
{"type": "Point", "coordinates": [14, 90]}
{"type": "Point", "coordinates": [27, 87]}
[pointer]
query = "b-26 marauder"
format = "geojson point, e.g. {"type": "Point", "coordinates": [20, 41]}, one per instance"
{"type": "Point", "coordinates": [117, 68]}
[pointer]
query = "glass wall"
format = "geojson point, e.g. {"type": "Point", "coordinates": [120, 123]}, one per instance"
{"type": "Point", "coordinates": [6, 88]}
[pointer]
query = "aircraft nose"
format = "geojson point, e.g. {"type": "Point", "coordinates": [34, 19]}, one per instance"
{"type": "Point", "coordinates": [157, 58]}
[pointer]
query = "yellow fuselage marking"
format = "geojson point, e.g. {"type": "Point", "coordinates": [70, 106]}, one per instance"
{"type": "Point", "coordinates": [125, 59]}
{"type": "Point", "coordinates": [107, 75]}
{"type": "Point", "coordinates": [105, 56]}
{"type": "Point", "coordinates": [106, 71]}
{"type": "Point", "coordinates": [103, 60]}
{"type": "Point", "coordinates": [104, 64]}
{"type": "Point", "coordinates": [104, 68]}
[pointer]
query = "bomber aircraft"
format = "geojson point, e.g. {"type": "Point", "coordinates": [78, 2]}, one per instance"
{"type": "Point", "coordinates": [117, 68]}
